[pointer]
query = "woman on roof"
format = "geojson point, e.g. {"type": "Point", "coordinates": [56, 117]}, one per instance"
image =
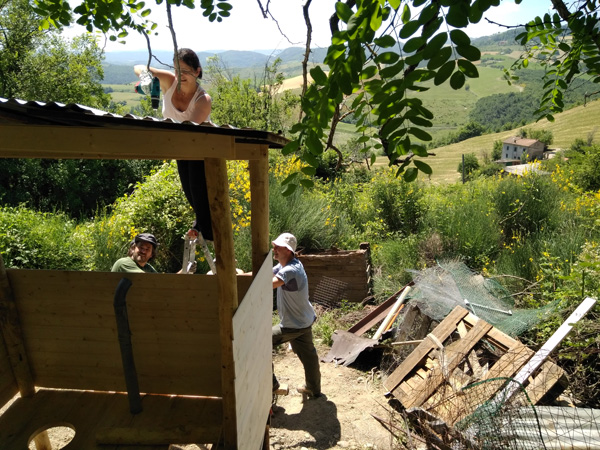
{"type": "Point", "coordinates": [187, 101]}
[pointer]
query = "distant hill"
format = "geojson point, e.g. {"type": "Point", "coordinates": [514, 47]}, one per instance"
{"type": "Point", "coordinates": [118, 65]}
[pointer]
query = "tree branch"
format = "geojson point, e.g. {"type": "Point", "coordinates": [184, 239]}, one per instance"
{"type": "Point", "coordinates": [306, 51]}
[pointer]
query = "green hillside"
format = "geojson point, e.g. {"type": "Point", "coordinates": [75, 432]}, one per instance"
{"type": "Point", "coordinates": [575, 123]}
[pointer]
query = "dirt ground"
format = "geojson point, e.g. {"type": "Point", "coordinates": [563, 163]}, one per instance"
{"type": "Point", "coordinates": [342, 418]}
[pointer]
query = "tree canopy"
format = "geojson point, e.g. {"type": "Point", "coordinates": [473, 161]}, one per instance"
{"type": "Point", "coordinates": [381, 55]}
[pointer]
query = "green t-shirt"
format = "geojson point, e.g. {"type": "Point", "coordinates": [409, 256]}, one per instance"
{"type": "Point", "coordinates": [127, 264]}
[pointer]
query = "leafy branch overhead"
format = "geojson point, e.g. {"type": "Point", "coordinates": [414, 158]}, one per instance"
{"type": "Point", "coordinates": [382, 54]}
{"type": "Point", "coordinates": [117, 17]}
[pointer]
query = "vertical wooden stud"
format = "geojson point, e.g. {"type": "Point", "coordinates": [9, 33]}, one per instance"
{"type": "Point", "coordinates": [218, 196]}
{"type": "Point", "coordinates": [259, 188]}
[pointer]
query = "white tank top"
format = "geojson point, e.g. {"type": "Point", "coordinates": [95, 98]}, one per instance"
{"type": "Point", "coordinates": [170, 112]}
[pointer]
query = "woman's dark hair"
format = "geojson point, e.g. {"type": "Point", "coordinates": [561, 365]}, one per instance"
{"type": "Point", "coordinates": [188, 56]}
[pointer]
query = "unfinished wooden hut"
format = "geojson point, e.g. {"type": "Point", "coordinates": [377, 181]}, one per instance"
{"type": "Point", "coordinates": [201, 344]}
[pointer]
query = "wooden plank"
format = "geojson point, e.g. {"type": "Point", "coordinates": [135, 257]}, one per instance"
{"type": "Point", "coordinates": [549, 375]}
{"type": "Point", "coordinates": [452, 360]}
{"type": "Point", "coordinates": [375, 316]}
{"type": "Point", "coordinates": [42, 141]}
{"type": "Point", "coordinates": [259, 188]}
{"type": "Point", "coordinates": [165, 418]}
{"type": "Point", "coordinates": [218, 195]}
{"type": "Point", "coordinates": [495, 336]}
{"type": "Point", "coordinates": [252, 353]}
{"type": "Point", "coordinates": [441, 332]}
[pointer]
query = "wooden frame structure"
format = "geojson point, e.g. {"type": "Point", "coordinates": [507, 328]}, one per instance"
{"type": "Point", "coordinates": [202, 344]}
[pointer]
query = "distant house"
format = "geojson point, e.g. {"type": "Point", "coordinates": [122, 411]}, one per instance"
{"type": "Point", "coordinates": [514, 148]}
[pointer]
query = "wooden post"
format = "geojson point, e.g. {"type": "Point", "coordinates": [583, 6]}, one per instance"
{"type": "Point", "coordinates": [11, 330]}
{"type": "Point", "coordinates": [15, 346]}
{"type": "Point", "coordinates": [218, 197]}
{"type": "Point", "coordinates": [259, 187]}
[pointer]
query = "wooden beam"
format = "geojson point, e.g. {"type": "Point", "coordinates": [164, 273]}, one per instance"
{"type": "Point", "coordinates": [218, 195]}
{"type": "Point", "coordinates": [259, 187]}
{"type": "Point", "coordinates": [43, 141]}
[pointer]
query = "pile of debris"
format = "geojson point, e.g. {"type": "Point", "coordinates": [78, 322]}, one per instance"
{"type": "Point", "coordinates": [467, 383]}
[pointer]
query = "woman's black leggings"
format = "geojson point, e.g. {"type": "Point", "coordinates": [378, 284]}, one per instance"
{"type": "Point", "coordinates": [193, 181]}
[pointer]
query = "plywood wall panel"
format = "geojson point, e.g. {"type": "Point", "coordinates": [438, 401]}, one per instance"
{"type": "Point", "coordinates": [252, 347]}
{"type": "Point", "coordinates": [69, 326]}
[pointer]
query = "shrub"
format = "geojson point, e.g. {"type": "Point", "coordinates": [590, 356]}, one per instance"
{"type": "Point", "coordinates": [464, 217]}
{"type": "Point", "coordinates": [34, 240]}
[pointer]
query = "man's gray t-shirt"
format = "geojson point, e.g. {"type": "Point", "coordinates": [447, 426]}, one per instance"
{"type": "Point", "coordinates": [295, 310]}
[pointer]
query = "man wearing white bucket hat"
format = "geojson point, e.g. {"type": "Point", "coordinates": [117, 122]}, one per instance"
{"type": "Point", "coordinates": [296, 313]}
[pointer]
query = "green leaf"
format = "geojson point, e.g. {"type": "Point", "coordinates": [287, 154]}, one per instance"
{"type": "Point", "coordinates": [368, 72]}
{"type": "Point", "coordinates": [405, 17]}
{"type": "Point", "coordinates": [310, 171]}
{"type": "Point", "coordinates": [343, 11]}
{"type": "Point", "coordinates": [385, 41]}
{"type": "Point", "coordinates": [460, 38]}
{"type": "Point", "coordinates": [387, 58]}
{"type": "Point", "coordinates": [444, 73]}
{"type": "Point", "coordinates": [420, 121]}
{"type": "Point", "coordinates": [376, 19]}
{"type": "Point", "coordinates": [440, 59]}
{"type": "Point", "coordinates": [457, 80]}
{"type": "Point", "coordinates": [392, 71]}
{"type": "Point", "coordinates": [469, 52]}
{"type": "Point", "coordinates": [457, 16]}
{"type": "Point", "coordinates": [409, 29]}
{"type": "Point", "coordinates": [290, 147]}
{"type": "Point", "coordinates": [289, 189]}
{"type": "Point", "coordinates": [423, 167]}
{"type": "Point", "coordinates": [310, 159]}
{"type": "Point", "coordinates": [307, 184]}
{"type": "Point", "coordinates": [434, 45]}
{"type": "Point", "coordinates": [420, 134]}
{"type": "Point", "coordinates": [413, 44]}
{"type": "Point", "coordinates": [468, 68]}
{"type": "Point", "coordinates": [410, 174]}
{"type": "Point", "coordinates": [318, 76]}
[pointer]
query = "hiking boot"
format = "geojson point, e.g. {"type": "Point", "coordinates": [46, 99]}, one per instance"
{"type": "Point", "coordinates": [307, 393]}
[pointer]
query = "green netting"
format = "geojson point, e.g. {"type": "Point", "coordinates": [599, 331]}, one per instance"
{"type": "Point", "coordinates": [440, 289]}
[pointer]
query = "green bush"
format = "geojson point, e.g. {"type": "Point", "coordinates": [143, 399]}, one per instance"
{"type": "Point", "coordinates": [33, 240]}
{"type": "Point", "coordinates": [464, 217]}
{"type": "Point", "coordinates": [527, 205]}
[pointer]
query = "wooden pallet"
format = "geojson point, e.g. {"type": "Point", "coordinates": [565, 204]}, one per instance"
{"type": "Point", "coordinates": [460, 352]}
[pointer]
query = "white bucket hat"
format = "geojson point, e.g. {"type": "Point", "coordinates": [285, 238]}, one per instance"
{"type": "Point", "coordinates": [286, 240]}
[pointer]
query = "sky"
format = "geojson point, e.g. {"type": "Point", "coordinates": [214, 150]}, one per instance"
{"type": "Point", "coordinates": [246, 29]}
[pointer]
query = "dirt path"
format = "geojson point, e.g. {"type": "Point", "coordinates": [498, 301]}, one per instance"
{"type": "Point", "coordinates": [340, 419]}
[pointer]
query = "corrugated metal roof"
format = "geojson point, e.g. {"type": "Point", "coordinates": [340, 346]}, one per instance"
{"type": "Point", "coordinates": [53, 113]}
